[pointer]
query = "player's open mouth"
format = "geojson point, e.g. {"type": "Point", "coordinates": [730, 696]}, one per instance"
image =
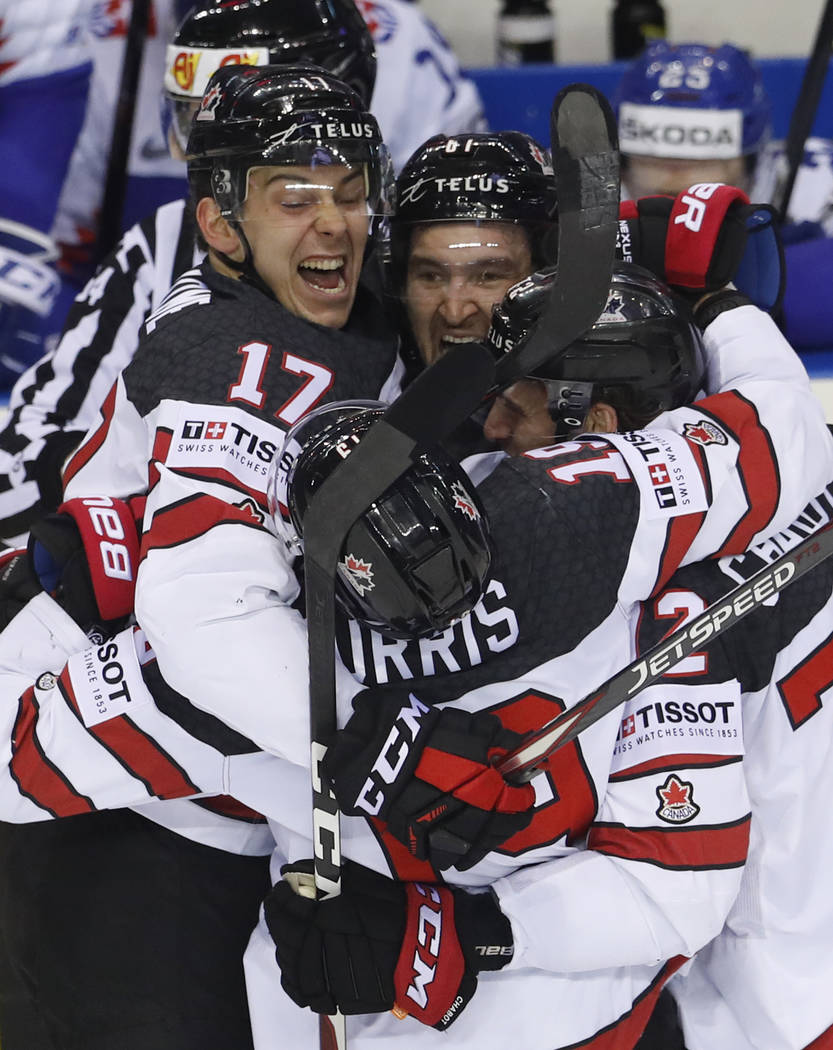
{"type": "Point", "coordinates": [325, 274]}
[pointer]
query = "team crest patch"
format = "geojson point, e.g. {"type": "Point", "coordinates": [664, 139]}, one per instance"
{"type": "Point", "coordinates": [464, 502]}
{"type": "Point", "coordinates": [677, 805]}
{"type": "Point", "coordinates": [358, 573]}
{"type": "Point", "coordinates": [705, 433]}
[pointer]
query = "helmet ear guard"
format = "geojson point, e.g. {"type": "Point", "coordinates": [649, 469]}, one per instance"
{"type": "Point", "coordinates": [418, 559]}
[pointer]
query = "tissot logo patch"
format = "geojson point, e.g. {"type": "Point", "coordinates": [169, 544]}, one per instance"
{"type": "Point", "coordinates": [677, 805]}
{"type": "Point", "coordinates": [231, 443]}
{"type": "Point", "coordinates": [663, 466]}
{"type": "Point", "coordinates": [705, 432]}
{"type": "Point", "coordinates": [213, 430]}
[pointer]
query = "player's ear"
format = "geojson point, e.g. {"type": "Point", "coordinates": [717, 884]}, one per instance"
{"type": "Point", "coordinates": [215, 228]}
{"type": "Point", "coordinates": [601, 419]}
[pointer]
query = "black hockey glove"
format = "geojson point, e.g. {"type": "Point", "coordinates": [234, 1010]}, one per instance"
{"type": "Point", "coordinates": [381, 943]}
{"type": "Point", "coordinates": [429, 774]}
{"type": "Point", "coordinates": [705, 238]}
{"type": "Point", "coordinates": [18, 583]}
{"type": "Point", "coordinates": [85, 556]}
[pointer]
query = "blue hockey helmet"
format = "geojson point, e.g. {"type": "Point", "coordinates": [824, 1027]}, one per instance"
{"type": "Point", "coordinates": [29, 287]}
{"type": "Point", "coordinates": [693, 102]}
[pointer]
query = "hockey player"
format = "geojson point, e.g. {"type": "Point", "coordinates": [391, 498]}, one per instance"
{"type": "Point", "coordinates": [472, 217]}
{"type": "Point", "coordinates": [763, 982]}
{"type": "Point", "coordinates": [290, 177]}
{"type": "Point", "coordinates": [733, 240]}
{"type": "Point", "coordinates": [54, 404]}
{"type": "Point", "coordinates": [690, 113]}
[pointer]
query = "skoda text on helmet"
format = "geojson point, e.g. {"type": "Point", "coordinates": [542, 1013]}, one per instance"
{"type": "Point", "coordinates": [327, 33]}
{"type": "Point", "coordinates": [644, 353]}
{"type": "Point", "coordinates": [692, 102]}
{"type": "Point", "coordinates": [418, 558]}
{"type": "Point", "coordinates": [282, 116]}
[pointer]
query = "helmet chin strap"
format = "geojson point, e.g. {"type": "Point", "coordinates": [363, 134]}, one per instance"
{"type": "Point", "coordinates": [246, 268]}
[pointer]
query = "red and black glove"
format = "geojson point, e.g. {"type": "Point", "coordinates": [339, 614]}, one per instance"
{"type": "Point", "coordinates": [86, 556]}
{"type": "Point", "coordinates": [429, 774]}
{"type": "Point", "coordinates": [704, 238]}
{"type": "Point", "coordinates": [381, 943]}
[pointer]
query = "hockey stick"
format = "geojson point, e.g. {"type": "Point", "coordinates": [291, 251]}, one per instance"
{"type": "Point", "coordinates": [115, 182]}
{"type": "Point", "coordinates": [522, 763]}
{"type": "Point", "coordinates": [439, 400]}
{"type": "Point", "coordinates": [806, 105]}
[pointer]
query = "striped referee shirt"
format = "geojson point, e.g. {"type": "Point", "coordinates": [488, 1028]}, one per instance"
{"type": "Point", "coordinates": [55, 401]}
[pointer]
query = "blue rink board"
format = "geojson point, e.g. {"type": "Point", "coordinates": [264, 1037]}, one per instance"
{"type": "Point", "coordinates": [520, 98]}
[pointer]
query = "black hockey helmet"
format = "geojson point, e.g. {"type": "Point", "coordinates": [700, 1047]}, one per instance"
{"type": "Point", "coordinates": [483, 177]}
{"type": "Point", "coordinates": [327, 33]}
{"type": "Point", "coordinates": [419, 556]}
{"type": "Point", "coordinates": [281, 115]}
{"type": "Point", "coordinates": [644, 347]}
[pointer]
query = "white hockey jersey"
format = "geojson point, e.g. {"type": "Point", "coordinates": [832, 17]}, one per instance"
{"type": "Point", "coordinates": [765, 980]}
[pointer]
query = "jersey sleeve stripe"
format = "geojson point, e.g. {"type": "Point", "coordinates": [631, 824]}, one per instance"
{"type": "Point", "coordinates": [230, 807]}
{"type": "Point", "coordinates": [225, 477]}
{"type": "Point", "coordinates": [679, 538]}
{"type": "Point", "coordinates": [140, 756]}
{"type": "Point", "coordinates": [192, 517]}
{"type": "Point", "coordinates": [36, 777]}
{"type": "Point", "coordinates": [89, 448]}
{"type": "Point", "coordinates": [626, 1030]}
{"type": "Point", "coordinates": [683, 849]}
{"type": "Point", "coordinates": [670, 763]}
{"type": "Point", "coordinates": [757, 467]}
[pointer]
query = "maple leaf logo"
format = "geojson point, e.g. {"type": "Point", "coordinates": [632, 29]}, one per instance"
{"type": "Point", "coordinates": [358, 573]}
{"type": "Point", "coordinates": [705, 433]}
{"type": "Point", "coordinates": [464, 502]}
{"type": "Point", "coordinates": [677, 805]}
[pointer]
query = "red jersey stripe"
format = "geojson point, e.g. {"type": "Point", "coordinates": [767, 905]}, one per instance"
{"type": "Point", "coordinates": [757, 467]}
{"type": "Point", "coordinates": [33, 773]}
{"type": "Point", "coordinates": [192, 517]}
{"type": "Point", "coordinates": [672, 762]}
{"type": "Point", "coordinates": [89, 448]}
{"type": "Point", "coordinates": [625, 1031]}
{"type": "Point", "coordinates": [230, 807]}
{"type": "Point", "coordinates": [140, 755]}
{"type": "Point", "coordinates": [721, 846]}
{"type": "Point", "coordinates": [824, 1041]}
